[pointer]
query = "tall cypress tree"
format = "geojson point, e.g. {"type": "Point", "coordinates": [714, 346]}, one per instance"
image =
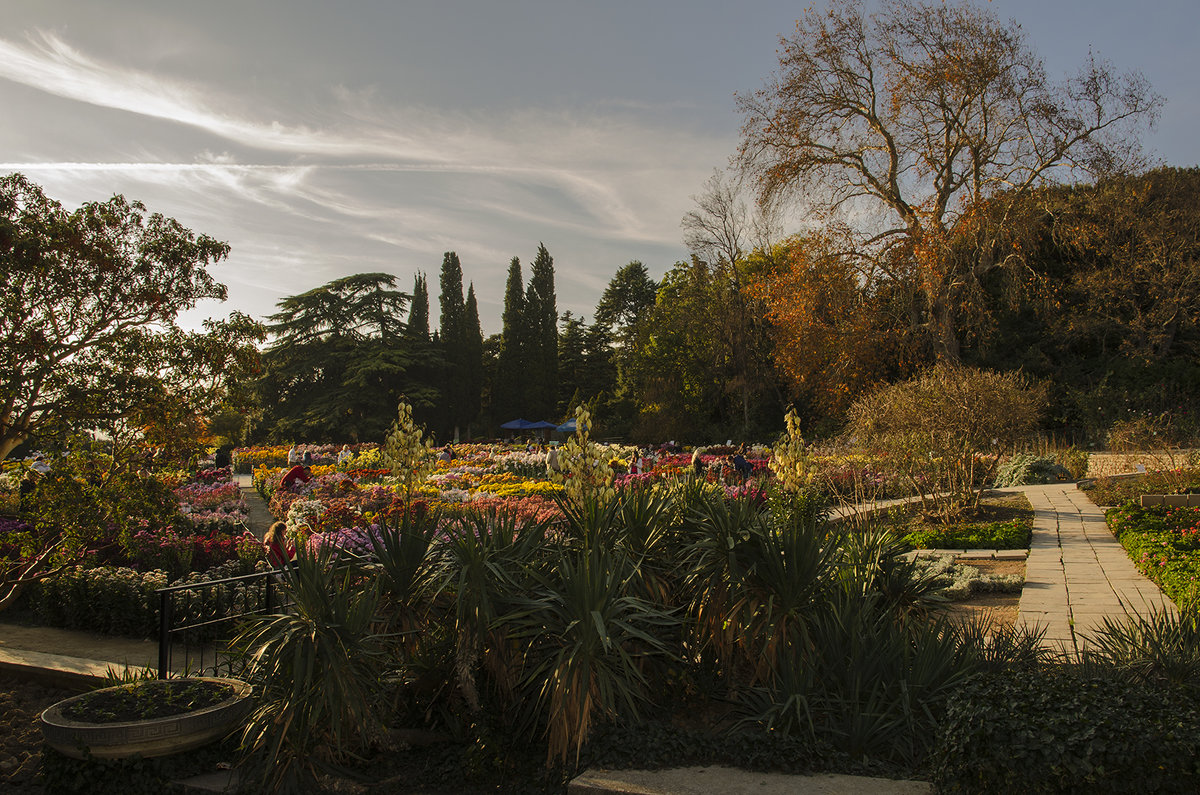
{"type": "Point", "coordinates": [427, 357]}
{"type": "Point", "coordinates": [472, 359]}
{"type": "Point", "coordinates": [541, 341]}
{"type": "Point", "coordinates": [418, 313]}
{"type": "Point", "coordinates": [508, 393]}
{"type": "Point", "coordinates": [451, 327]}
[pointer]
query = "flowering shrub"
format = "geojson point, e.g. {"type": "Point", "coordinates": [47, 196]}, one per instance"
{"type": "Point", "coordinates": [355, 540]}
{"type": "Point", "coordinates": [247, 459]}
{"type": "Point", "coordinates": [1164, 543]}
{"type": "Point", "coordinates": [303, 517]}
{"type": "Point", "coordinates": [168, 552]}
{"type": "Point", "coordinates": [249, 548]}
{"type": "Point", "coordinates": [208, 495]}
{"type": "Point", "coordinates": [214, 475]}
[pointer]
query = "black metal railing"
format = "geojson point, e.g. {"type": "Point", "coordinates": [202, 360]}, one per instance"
{"type": "Point", "coordinates": [197, 620]}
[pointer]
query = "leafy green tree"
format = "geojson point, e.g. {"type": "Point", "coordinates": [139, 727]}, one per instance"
{"type": "Point", "coordinates": [461, 343]}
{"type": "Point", "coordinates": [1107, 310]}
{"type": "Point", "coordinates": [339, 361]}
{"type": "Point", "coordinates": [628, 297]}
{"type": "Point", "coordinates": [418, 313]}
{"type": "Point", "coordinates": [694, 361]}
{"type": "Point", "coordinates": [88, 319]}
{"type": "Point", "coordinates": [95, 497]}
{"type": "Point", "coordinates": [451, 330]}
{"type": "Point", "coordinates": [572, 364]}
{"type": "Point", "coordinates": [619, 319]}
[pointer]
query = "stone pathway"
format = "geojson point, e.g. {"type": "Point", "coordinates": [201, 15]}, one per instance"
{"type": "Point", "coordinates": [260, 518]}
{"type": "Point", "coordinates": [1077, 573]}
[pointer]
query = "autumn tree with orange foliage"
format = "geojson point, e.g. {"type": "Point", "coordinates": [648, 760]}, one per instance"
{"type": "Point", "coordinates": [834, 340]}
{"type": "Point", "coordinates": [893, 128]}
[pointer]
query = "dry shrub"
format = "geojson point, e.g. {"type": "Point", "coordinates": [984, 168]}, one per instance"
{"type": "Point", "coordinates": [944, 430]}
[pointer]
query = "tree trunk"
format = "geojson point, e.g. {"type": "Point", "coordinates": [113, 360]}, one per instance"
{"type": "Point", "coordinates": [945, 335]}
{"type": "Point", "coordinates": [10, 442]}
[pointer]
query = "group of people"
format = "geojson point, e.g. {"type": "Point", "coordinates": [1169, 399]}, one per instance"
{"type": "Point", "coordinates": [735, 461]}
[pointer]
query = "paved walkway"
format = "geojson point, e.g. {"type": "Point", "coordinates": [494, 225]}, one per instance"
{"type": "Point", "coordinates": [1077, 573]}
{"type": "Point", "coordinates": [72, 658]}
{"type": "Point", "coordinates": [260, 518]}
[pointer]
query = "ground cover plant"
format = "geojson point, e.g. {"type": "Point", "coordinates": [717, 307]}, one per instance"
{"type": "Point", "coordinates": [1001, 521]}
{"type": "Point", "coordinates": [151, 698]}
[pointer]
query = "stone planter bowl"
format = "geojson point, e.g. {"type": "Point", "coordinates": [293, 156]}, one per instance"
{"type": "Point", "coordinates": [151, 737]}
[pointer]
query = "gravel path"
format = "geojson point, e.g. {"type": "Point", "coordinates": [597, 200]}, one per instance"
{"type": "Point", "coordinates": [20, 737]}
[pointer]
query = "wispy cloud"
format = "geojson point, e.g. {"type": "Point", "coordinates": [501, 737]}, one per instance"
{"type": "Point", "coordinates": [590, 162]}
{"type": "Point", "coordinates": [46, 62]}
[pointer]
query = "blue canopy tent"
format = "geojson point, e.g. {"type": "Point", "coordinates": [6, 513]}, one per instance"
{"type": "Point", "coordinates": [566, 427]}
{"type": "Point", "coordinates": [526, 425]}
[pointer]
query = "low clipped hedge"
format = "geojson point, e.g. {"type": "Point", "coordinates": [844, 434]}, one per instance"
{"type": "Point", "coordinates": [1066, 731]}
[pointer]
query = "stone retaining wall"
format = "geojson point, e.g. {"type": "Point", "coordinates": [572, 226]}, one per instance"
{"type": "Point", "coordinates": [1103, 464]}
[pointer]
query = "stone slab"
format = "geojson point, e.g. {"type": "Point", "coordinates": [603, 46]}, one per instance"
{"type": "Point", "coordinates": [730, 781]}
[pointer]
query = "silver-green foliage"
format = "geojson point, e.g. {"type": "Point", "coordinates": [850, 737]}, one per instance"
{"type": "Point", "coordinates": [955, 581]}
{"type": "Point", "coordinates": [1027, 468]}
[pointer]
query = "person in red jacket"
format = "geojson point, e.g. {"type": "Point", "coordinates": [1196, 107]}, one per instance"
{"type": "Point", "coordinates": [298, 473]}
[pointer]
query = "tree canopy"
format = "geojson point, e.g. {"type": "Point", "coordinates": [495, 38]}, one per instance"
{"type": "Point", "coordinates": [340, 358]}
{"type": "Point", "coordinates": [90, 302]}
{"type": "Point", "coordinates": [895, 128]}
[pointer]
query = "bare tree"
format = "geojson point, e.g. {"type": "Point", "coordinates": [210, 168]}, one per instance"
{"type": "Point", "coordinates": [898, 128]}
{"type": "Point", "coordinates": [722, 230]}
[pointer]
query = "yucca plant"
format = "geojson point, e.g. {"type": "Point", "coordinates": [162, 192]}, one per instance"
{"type": "Point", "coordinates": [403, 550]}
{"type": "Point", "coordinates": [638, 521]}
{"type": "Point", "coordinates": [1161, 646]}
{"type": "Point", "coordinates": [591, 519]}
{"type": "Point", "coordinates": [791, 570]}
{"type": "Point", "coordinates": [588, 641]}
{"type": "Point", "coordinates": [988, 646]}
{"type": "Point", "coordinates": [650, 535]}
{"type": "Point", "coordinates": [488, 555]}
{"type": "Point", "coordinates": [717, 534]}
{"type": "Point", "coordinates": [869, 686]}
{"type": "Point", "coordinates": [873, 561]}
{"type": "Point", "coordinates": [316, 671]}
{"type": "Point", "coordinates": [755, 575]}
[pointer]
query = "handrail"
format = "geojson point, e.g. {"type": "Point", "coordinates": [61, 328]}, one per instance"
{"type": "Point", "coordinates": [223, 613]}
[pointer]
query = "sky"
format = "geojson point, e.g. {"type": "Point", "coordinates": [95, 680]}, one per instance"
{"type": "Point", "coordinates": [325, 139]}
